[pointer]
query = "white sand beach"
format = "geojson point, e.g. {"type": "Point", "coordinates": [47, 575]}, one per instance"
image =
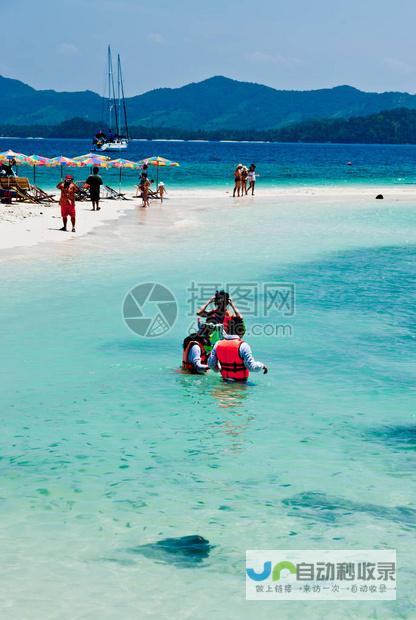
{"type": "Point", "coordinates": [25, 225]}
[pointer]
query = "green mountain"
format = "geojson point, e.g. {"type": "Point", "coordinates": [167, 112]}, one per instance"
{"type": "Point", "coordinates": [214, 104]}
{"type": "Point", "coordinates": [388, 127]}
{"type": "Point", "coordinates": [396, 126]}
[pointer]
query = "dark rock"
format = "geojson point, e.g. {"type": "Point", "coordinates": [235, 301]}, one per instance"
{"type": "Point", "coordinates": [185, 551]}
{"type": "Point", "coordinates": [379, 197]}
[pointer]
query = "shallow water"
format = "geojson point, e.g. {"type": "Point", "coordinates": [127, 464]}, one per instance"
{"type": "Point", "coordinates": [107, 449]}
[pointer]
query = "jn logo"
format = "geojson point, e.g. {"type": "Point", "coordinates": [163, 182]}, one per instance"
{"type": "Point", "coordinates": [275, 571]}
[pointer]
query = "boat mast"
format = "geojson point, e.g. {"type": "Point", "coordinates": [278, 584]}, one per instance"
{"type": "Point", "coordinates": [119, 91]}
{"type": "Point", "coordinates": [112, 101]}
{"type": "Point", "coordinates": [122, 97]}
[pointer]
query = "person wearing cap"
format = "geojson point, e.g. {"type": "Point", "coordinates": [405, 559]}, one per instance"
{"type": "Point", "coordinates": [67, 201]}
{"type": "Point", "coordinates": [162, 190]}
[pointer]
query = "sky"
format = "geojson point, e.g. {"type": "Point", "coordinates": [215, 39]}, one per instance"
{"type": "Point", "coordinates": [287, 44]}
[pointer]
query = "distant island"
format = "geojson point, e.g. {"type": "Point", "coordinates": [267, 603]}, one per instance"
{"type": "Point", "coordinates": [217, 109]}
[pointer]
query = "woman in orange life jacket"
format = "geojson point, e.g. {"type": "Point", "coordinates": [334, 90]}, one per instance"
{"type": "Point", "coordinates": [232, 356]}
{"type": "Point", "coordinates": [194, 356]}
{"type": "Point", "coordinates": [219, 314]}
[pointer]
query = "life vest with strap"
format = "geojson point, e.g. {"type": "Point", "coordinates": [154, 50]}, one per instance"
{"type": "Point", "coordinates": [231, 362]}
{"type": "Point", "coordinates": [186, 364]}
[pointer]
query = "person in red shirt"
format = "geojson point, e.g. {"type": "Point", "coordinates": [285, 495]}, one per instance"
{"type": "Point", "coordinates": [67, 201]}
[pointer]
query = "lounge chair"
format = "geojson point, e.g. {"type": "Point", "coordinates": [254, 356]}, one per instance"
{"type": "Point", "coordinates": [42, 195]}
{"type": "Point", "coordinates": [112, 194]}
{"type": "Point", "coordinates": [82, 193]}
{"type": "Point", "coordinates": [153, 195]}
{"type": "Point", "coordinates": [22, 187]}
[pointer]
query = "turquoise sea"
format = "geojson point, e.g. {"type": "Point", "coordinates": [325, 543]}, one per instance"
{"type": "Point", "coordinates": [209, 164]}
{"type": "Point", "coordinates": [106, 447]}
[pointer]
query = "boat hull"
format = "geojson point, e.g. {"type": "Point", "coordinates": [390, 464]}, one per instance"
{"type": "Point", "coordinates": [117, 145]}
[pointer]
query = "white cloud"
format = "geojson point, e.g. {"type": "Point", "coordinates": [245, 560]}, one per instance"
{"type": "Point", "coordinates": [68, 49]}
{"type": "Point", "coordinates": [156, 37]}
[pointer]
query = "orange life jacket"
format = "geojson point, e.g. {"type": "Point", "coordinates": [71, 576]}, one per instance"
{"type": "Point", "coordinates": [186, 364]}
{"type": "Point", "coordinates": [231, 362]}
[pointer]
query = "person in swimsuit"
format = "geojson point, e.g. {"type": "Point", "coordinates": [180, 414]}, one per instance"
{"type": "Point", "coordinates": [237, 180]}
{"type": "Point", "coordinates": [244, 174]}
{"type": "Point", "coordinates": [251, 178]}
{"type": "Point", "coordinates": [219, 314]}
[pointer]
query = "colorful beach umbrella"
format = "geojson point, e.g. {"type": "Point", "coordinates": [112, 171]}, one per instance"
{"type": "Point", "coordinates": [94, 161]}
{"type": "Point", "coordinates": [121, 163]}
{"type": "Point", "coordinates": [62, 161]}
{"type": "Point", "coordinates": [36, 160]}
{"type": "Point", "coordinates": [91, 156]}
{"type": "Point", "coordinates": [159, 162]}
{"type": "Point", "coordinates": [6, 155]}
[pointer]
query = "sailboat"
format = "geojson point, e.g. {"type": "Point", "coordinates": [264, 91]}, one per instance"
{"type": "Point", "coordinates": [117, 136]}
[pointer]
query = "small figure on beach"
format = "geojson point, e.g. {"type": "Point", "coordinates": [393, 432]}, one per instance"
{"type": "Point", "coordinates": [237, 180]}
{"type": "Point", "coordinates": [94, 182]}
{"type": "Point", "coordinates": [244, 175]}
{"type": "Point", "coordinates": [232, 356]}
{"type": "Point", "coordinates": [146, 188]}
{"type": "Point", "coordinates": [161, 190]}
{"type": "Point", "coordinates": [67, 201]}
{"type": "Point", "coordinates": [251, 178]}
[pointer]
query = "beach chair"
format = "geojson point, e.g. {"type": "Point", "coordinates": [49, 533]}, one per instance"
{"type": "Point", "coordinates": [112, 194]}
{"type": "Point", "coordinates": [153, 195]}
{"type": "Point", "coordinates": [82, 193]}
{"type": "Point", "coordinates": [42, 195]}
{"type": "Point", "coordinates": [22, 187]}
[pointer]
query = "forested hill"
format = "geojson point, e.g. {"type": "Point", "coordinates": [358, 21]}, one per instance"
{"type": "Point", "coordinates": [388, 127]}
{"type": "Point", "coordinates": [212, 105]}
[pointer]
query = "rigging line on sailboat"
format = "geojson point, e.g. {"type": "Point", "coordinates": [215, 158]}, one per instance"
{"type": "Point", "coordinates": [123, 98]}
{"type": "Point", "coordinates": [112, 96]}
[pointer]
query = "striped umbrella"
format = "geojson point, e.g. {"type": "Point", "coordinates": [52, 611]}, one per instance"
{"type": "Point", "coordinates": [159, 162]}
{"type": "Point", "coordinates": [88, 155]}
{"type": "Point", "coordinates": [123, 163]}
{"type": "Point", "coordinates": [62, 161]}
{"type": "Point", "coordinates": [94, 161]}
{"type": "Point", "coordinates": [36, 160]}
{"type": "Point", "coordinates": [6, 155]}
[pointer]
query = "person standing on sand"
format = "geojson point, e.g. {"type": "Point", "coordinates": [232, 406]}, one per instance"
{"type": "Point", "coordinates": [251, 178]}
{"type": "Point", "coordinates": [67, 200]}
{"type": "Point", "coordinates": [162, 190]}
{"type": "Point", "coordinates": [94, 182]}
{"type": "Point", "coordinates": [237, 180]}
{"type": "Point", "coordinates": [244, 175]}
{"type": "Point", "coordinates": [145, 192]}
